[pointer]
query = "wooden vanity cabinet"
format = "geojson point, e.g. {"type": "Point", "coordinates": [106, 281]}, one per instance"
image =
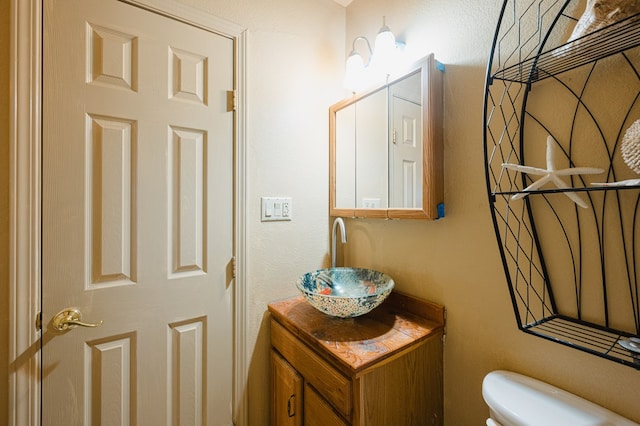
{"type": "Point", "coordinates": [383, 368]}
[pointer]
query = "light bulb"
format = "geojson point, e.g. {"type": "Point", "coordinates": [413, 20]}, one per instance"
{"type": "Point", "coordinates": [354, 71]}
{"type": "Point", "coordinates": [385, 43]}
{"type": "Point", "coordinates": [384, 50]}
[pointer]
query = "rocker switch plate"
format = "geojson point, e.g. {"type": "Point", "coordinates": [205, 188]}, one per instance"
{"type": "Point", "coordinates": [276, 209]}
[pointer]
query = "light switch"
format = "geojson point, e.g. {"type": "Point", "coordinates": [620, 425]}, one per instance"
{"type": "Point", "coordinates": [276, 209]}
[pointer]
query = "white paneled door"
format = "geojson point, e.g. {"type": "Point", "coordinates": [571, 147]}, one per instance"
{"type": "Point", "coordinates": [406, 153]}
{"type": "Point", "coordinates": [137, 218]}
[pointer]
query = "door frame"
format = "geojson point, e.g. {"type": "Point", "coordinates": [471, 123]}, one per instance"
{"type": "Point", "coordinates": [25, 190]}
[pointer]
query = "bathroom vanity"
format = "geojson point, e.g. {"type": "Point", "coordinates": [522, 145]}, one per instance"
{"type": "Point", "coordinates": [382, 368]}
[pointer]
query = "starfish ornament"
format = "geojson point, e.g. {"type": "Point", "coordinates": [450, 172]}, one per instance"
{"type": "Point", "coordinates": [628, 182]}
{"type": "Point", "coordinates": [551, 174]}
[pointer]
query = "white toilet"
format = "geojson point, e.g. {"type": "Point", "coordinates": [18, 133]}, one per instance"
{"type": "Point", "coordinates": [517, 400]}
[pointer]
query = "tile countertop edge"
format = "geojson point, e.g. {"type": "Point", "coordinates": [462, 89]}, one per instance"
{"type": "Point", "coordinates": [401, 322]}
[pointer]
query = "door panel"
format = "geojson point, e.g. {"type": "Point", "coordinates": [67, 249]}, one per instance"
{"type": "Point", "coordinates": [406, 153]}
{"type": "Point", "coordinates": [286, 393]}
{"type": "Point", "coordinates": [137, 217]}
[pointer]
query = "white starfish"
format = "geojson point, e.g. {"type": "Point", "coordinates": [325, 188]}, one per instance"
{"type": "Point", "coordinates": [551, 174]}
{"type": "Point", "coordinates": [628, 182]}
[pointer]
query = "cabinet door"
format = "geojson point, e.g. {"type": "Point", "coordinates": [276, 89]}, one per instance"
{"type": "Point", "coordinates": [317, 411]}
{"type": "Point", "coordinates": [286, 393]}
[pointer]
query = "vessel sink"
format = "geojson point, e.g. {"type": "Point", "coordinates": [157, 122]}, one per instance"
{"type": "Point", "coordinates": [345, 292]}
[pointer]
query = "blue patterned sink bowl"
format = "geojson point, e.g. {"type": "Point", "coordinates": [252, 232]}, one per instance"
{"type": "Point", "coordinates": [345, 292]}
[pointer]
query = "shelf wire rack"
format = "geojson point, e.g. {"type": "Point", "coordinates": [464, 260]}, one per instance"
{"type": "Point", "coordinates": [571, 272]}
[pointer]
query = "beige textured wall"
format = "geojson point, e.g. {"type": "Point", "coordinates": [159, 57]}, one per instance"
{"type": "Point", "coordinates": [4, 205]}
{"type": "Point", "coordinates": [455, 261]}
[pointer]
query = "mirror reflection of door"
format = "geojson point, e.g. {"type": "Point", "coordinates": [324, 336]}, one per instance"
{"type": "Point", "coordinates": [405, 151]}
{"type": "Point", "coordinates": [379, 149]}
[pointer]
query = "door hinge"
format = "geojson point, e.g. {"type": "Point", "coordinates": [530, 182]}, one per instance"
{"type": "Point", "coordinates": [395, 137]}
{"type": "Point", "coordinates": [39, 321]}
{"type": "Point", "coordinates": [444, 328]}
{"type": "Point", "coordinates": [233, 266]}
{"type": "Point", "coordinates": [231, 100]}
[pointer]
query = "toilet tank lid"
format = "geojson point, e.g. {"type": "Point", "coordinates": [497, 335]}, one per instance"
{"type": "Point", "coordinates": [520, 400]}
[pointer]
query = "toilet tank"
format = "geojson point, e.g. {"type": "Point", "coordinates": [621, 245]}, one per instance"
{"type": "Point", "coordinates": [517, 400]}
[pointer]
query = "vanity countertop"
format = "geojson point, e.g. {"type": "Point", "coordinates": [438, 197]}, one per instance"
{"type": "Point", "coordinates": [398, 324]}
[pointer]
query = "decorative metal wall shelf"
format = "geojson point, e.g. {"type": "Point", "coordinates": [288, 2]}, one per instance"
{"type": "Point", "coordinates": [604, 42]}
{"type": "Point", "coordinates": [573, 273]}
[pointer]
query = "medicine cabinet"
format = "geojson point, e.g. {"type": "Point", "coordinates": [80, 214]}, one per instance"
{"type": "Point", "coordinates": [386, 157]}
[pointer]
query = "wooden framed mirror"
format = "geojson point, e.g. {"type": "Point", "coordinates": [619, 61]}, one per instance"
{"type": "Point", "coordinates": [386, 158]}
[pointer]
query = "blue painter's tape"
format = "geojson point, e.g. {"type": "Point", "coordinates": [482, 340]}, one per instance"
{"type": "Point", "coordinates": [440, 66]}
{"type": "Point", "coordinates": [440, 210]}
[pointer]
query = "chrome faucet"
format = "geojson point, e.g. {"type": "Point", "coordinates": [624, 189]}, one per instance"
{"type": "Point", "coordinates": [334, 236]}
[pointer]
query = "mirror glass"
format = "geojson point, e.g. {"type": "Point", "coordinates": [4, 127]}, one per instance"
{"type": "Point", "coordinates": [380, 149]}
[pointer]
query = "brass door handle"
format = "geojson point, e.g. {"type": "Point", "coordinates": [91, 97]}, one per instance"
{"type": "Point", "coordinates": [70, 318]}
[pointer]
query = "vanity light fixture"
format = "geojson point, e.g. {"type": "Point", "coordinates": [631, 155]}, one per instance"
{"type": "Point", "coordinates": [385, 45]}
{"type": "Point", "coordinates": [381, 62]}
{"type": "Point", "coordinates": [355, 68]}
